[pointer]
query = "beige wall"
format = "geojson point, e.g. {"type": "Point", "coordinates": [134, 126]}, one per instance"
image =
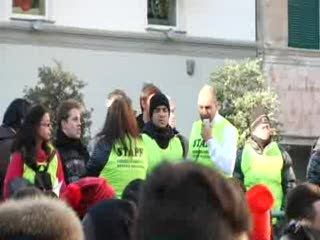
{"type": "Point", "coordinates": [293, 73]}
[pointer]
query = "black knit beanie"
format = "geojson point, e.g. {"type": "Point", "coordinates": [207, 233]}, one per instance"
{"type": "Point", "coordinates": [157, 100]}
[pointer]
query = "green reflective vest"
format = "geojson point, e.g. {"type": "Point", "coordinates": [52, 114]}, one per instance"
{"type": "Point", "coordinates": [264, 169]}
{"type": "Point", "coordinates": [125, 164]}
{"type": "Point", "coordinates": [29, 173]}
{"type": "Point", "coordinates": [198, 149]}
{"type": "Point", "coordinates": [173, 153]}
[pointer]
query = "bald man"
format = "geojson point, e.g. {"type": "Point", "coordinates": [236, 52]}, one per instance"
{"type": "Point", "coordinates": [213, 139]}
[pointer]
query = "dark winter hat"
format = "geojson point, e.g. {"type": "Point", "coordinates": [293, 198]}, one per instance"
{"type": "Point", "coordinates": [157, 100]}
{"type": "Point", "coordinates": [258, 117]}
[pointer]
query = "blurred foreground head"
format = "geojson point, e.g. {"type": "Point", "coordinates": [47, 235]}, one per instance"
{"type": "Point", "coordinates": [185, 201]}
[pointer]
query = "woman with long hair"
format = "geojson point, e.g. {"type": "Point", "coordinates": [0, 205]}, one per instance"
{"type": "Point", "coordinates": [119, 155]}
{"type": "Point", "coordinates": [33, 157]}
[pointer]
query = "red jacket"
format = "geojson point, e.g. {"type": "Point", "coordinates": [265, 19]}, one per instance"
{"type": "Point", "coordinates": [15, 170]}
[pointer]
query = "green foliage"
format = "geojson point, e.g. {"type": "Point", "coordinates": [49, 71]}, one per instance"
{"type": "Point", "coordinates": [56, 85]}
{"type": "Point", "coordinates": [240, 87]}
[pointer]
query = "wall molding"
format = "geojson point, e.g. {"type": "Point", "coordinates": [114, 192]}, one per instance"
{"type": "Point", "coordinates": [46, 34]}
{"type": "Point", "coordinates": [291, 56]}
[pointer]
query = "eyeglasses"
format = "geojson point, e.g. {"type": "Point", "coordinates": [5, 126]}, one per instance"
{"type": "Point", "coordinates": [45, 124]}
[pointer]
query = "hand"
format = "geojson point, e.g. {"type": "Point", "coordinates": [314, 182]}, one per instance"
{"type": "Point", "coordinates": [206, 133]}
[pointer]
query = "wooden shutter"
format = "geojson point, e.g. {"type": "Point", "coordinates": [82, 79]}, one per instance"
{"type": "Point", "coordinates": [303, 17]}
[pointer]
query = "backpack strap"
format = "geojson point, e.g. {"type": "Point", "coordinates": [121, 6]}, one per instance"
{"type": "Point", "coordinates": [183, 144]}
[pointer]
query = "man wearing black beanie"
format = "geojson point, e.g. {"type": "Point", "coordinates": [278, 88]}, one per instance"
{"type": "Point", "coordinates": [160, 139]}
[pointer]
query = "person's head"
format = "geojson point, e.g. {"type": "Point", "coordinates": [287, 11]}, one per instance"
{"type": "Point", "coordinates": [132, 191]}
{"type": "Point", "coordinates": [111, 219]}
{"type": "Point", "coordinates": [172, 117]}
{"type": "Point", "coordinates": [187, 201]}
{"type": "Point", "coordinates": [303, 204]}
{"type": "Point", "coordinates": [147, 90]}
{"type": "Point", "coordinates": [39, 218]}
{"type": "Point", "coordinates": [69, 118]}
{"type": "Point", "coordinates": [260, 126]}
{"type": "Point", "coordinates": [117, 93]}
{"type": "Point", "coordinates": [35, 131]}
{"type": "Point", "coordinates": [36, 127]}
{"type": "Point", "coordinates": [120, 121]}
{"type": "Point", "coordinates": [159, 110]}
{"type": "Point", "coordinates": [207, 103]}
{"type": "Point", "coordinates": [27, 192]}
{"type": "Point", "coordinates": [15, 113]}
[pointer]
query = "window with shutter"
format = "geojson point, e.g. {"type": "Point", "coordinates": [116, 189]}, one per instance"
{"type": "Point", "coordinates": [303, 23]}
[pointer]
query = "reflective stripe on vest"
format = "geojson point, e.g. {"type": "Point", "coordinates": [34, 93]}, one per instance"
{"type": "Point", "coordinates": [29, 173]}
{"type": "Point", "coordinates": [264, 169]}
{"type": "Point", "coordinates": [198, 149]}
{"type": "Point", "coordinates": [125, 164]}
{"type": "Point", "coordinates": [173, 153]}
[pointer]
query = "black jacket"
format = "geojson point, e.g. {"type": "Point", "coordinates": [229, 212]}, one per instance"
{"type": "Point", "coordinates": [288, 176]}
{"type": "Point", "coordinates": [74, 156]}
{"type": "Point", "coordinates": [6, 139]}
{"type": "Point", "coordinates": [140, 122]}
{"type": "Point", "coordinates": [313, 169]}
{"type": "Point", "coordinates": [298, 232]}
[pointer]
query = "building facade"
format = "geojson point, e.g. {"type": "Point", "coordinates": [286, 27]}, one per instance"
{"type": "Point", "coordinates": [122, 44]}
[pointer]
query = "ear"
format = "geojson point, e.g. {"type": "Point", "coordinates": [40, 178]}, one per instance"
{"type": "Point", "coordinates": [63, 124]}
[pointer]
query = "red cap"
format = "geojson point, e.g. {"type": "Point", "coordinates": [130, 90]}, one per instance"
{"type": "Point", "coordinates": [260, 201]}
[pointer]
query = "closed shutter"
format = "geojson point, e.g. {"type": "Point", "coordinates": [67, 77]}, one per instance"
{"type": "Point", "coordinates": [303, 23]}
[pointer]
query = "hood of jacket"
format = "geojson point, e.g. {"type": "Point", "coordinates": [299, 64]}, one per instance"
{"type": "Point", "coordinates": [6, 133]}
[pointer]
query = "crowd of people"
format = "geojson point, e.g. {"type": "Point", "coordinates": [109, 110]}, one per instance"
{"type": "Point", "coordinates": [145, 180]}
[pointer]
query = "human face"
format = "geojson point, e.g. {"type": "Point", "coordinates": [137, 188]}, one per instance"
{"type": "Point", "coordinates": [316, 221]}
{"type": "Point", "coordinates": [172, 117]}
{"type": "Point", "coordinates": [207, 107]}
{"type": "Point", "coordinates": [160, 116]}
{"type": "Point", "coordinates": [44, 129]}
{"type": "Point", "coordinates": [262, 131]}
{"type": "Point", "coordinates": [72, 125]}
{"type": "Point", "coordinates": [146, 105]}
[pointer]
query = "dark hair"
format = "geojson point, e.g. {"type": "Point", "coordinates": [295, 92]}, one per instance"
{"type": "Point", "coordinates": [25, 141]}
{"type": "Point", "coordinates": [120, 122]}
{"type": "Point", "coordinates": [132, 191]}
{"type": "Point", "coordinates": [300, 201]}
{"type": "Point", "coordinates": [15, 113]}
{"type": "Point", "coordinates": [64, 109]}
{"type": "Point", "coordinates": [147, 90]}
{"type": "Point", "coordinates": [185, 201]}
{"type": "Point", "coordinates": [27, 192]}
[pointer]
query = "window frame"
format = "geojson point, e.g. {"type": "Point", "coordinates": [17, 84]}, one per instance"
{"type": "Point", "coordinates": [48, 16]}
{"type": "Point", "coordinates": [150, 26]}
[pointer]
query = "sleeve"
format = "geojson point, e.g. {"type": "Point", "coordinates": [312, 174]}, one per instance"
{"type": "Point", "coordinates": [288, 175]}
{"type": "Point", "coordinates": [313, 169]}
{"type": "Point", "coordinates": [15, 170]}
{"type": "Point", "coordinates": [99, 158]}
{"type": "Point", "coordinates": [237, 173]}
{"type": "Point", "coordinates": [224, 155]}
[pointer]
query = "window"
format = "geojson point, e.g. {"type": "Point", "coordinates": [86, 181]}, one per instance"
{"type": "Point", "coordinates": [162, 12]}
{"type": "Point", "coordinates": [30, 9]}
{"type": "Point", "coordinates": [303, 23]}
